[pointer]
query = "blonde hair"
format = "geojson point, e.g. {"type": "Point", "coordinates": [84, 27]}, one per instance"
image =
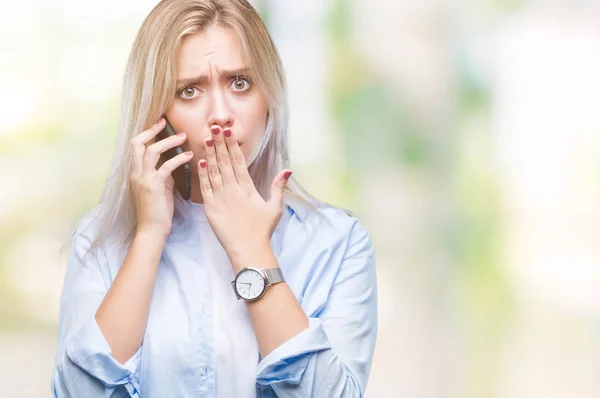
{"type": "Point", "coordinates": [149, 87]}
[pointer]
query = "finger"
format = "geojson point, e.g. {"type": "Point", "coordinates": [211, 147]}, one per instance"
{"type": "Point", "coordinates": [278, 187]}
{"type": "Point", "coordinates": [154, 151]}
{"type": "Point", "coordinates": [170, 165]}
{"type": "Point", "coordinates": [238, 162]}
{"type": "Point", "coordinates": [205, 185]}
{"type": "Point", "coordinates": [138, 142]}
{"type": "Point", "coordinates": [223, 159]}
{"type": "Point", "coordinates": [214, 174]}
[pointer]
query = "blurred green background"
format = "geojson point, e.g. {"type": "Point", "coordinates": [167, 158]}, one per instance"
{"type": "Point", "coordinates": [463, 134]}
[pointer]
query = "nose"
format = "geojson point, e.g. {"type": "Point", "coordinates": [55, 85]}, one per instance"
{"type": "Point", "coordinates": [220, 112]}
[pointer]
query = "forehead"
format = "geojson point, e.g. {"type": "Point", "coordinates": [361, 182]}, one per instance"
{"type": "Point", "coordinates": [216, 47]}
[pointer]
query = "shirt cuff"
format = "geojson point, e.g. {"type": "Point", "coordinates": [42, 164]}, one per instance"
{"type": "Point", "coordinates": [89, 350]}
{"type": "Point", "coordinates": [288, 362]}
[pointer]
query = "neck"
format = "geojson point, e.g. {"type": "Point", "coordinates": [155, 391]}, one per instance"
{"type": "Point", "coordinates": [196, 194]}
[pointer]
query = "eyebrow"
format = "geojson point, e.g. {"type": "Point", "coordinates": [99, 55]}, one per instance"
{"type": "Point", "coordinates": [188, 81]}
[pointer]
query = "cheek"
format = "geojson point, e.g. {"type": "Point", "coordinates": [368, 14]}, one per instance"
{"type": "Point", "coordinates": [253, 134]}
{"type": "Point", "coordinates": [191, 122]}
{"type": "Point", "coordinates": [252, 122]}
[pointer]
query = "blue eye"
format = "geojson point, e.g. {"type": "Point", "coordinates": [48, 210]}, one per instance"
{"type": "Point", "coordinates": [240, 84]}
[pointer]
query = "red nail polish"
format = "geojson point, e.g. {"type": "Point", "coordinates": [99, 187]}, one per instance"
{"type": "Point", "coordinates": [287, 174]}
{"type": "Point", "coordinates": [227, 133]}
{"type": "Point", "coordinates": [209, 142]}
{"type": "Point", "coordinates": [215, 131]}
{"type": "Point", "coordinates": [203, 163]}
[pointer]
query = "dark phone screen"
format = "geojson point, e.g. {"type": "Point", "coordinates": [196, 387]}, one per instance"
{"type": "Point", "coordinates": [182, 174]}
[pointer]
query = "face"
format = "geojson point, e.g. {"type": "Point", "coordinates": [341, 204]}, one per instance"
{"type": "Point", "coordinates": [213, 88]}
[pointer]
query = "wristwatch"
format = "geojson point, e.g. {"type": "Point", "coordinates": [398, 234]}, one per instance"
{"type": "Point", "coordinates": [251, 283]}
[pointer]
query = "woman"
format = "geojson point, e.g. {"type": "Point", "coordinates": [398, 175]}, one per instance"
{"type": "Point", "coordinates": [250, 288]}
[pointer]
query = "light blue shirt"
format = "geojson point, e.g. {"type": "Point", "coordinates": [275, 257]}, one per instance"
{"type": "Point", "coordinates": [328, 263]}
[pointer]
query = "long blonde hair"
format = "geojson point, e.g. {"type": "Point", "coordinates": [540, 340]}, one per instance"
{"type": "Point", "coordinates": [149, 87]}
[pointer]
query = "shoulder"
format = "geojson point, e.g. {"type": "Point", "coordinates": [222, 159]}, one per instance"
{"type": "Point", "coordinates": [87, 226]}
{"type": "Point", "coordinates": [328, 224]}
{"type": "Point", "coordinates": [86, 234]}
{"type": "Point", "coordinates": [351, 230]}
{"type": "Point", "coordinates": [90, 251]}
{"type": "Point", "coordinates": [321, 249]}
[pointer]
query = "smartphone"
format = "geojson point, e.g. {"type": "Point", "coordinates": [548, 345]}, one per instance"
{"type": "Point", "coordinates": [183, 174]}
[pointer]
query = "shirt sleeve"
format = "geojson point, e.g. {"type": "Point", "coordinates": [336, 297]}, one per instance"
{"type": "Point", "coordinates": [84, 365]}
{"type": "Point", "coordinates": [332, 358]}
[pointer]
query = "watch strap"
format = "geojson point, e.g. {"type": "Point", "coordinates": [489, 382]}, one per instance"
{"type": "Point", "coordinates": [274, 275]}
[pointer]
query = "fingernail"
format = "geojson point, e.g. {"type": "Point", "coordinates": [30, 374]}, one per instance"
{"type": "Point", "coordinates": [227, 133]}
{"type": "Point", "coordinates": [182, 134]}
{"type": "Point", "coordinates": [203, 163]}
{"type": "Point", "coordinates": [215, 130]}
{"type": "Point", "coordinates": [188, 153]}
{"type": "Point", "coordinates": [287, 174]}
{"type": "Point", "coordinates": [209, 142]}
{"type": "Point", "coordinates": [159, 121]}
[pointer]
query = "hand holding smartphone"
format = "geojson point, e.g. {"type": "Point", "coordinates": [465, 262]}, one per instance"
{"type": "Point", "coordinates": [183, 174]}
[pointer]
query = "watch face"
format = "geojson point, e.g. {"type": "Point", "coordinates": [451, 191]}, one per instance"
{"type": "Point", "coordinates": [250, 284]}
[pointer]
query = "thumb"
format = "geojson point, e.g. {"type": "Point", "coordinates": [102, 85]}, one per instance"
{"type": "Point", "coordinates": [278, 187]}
